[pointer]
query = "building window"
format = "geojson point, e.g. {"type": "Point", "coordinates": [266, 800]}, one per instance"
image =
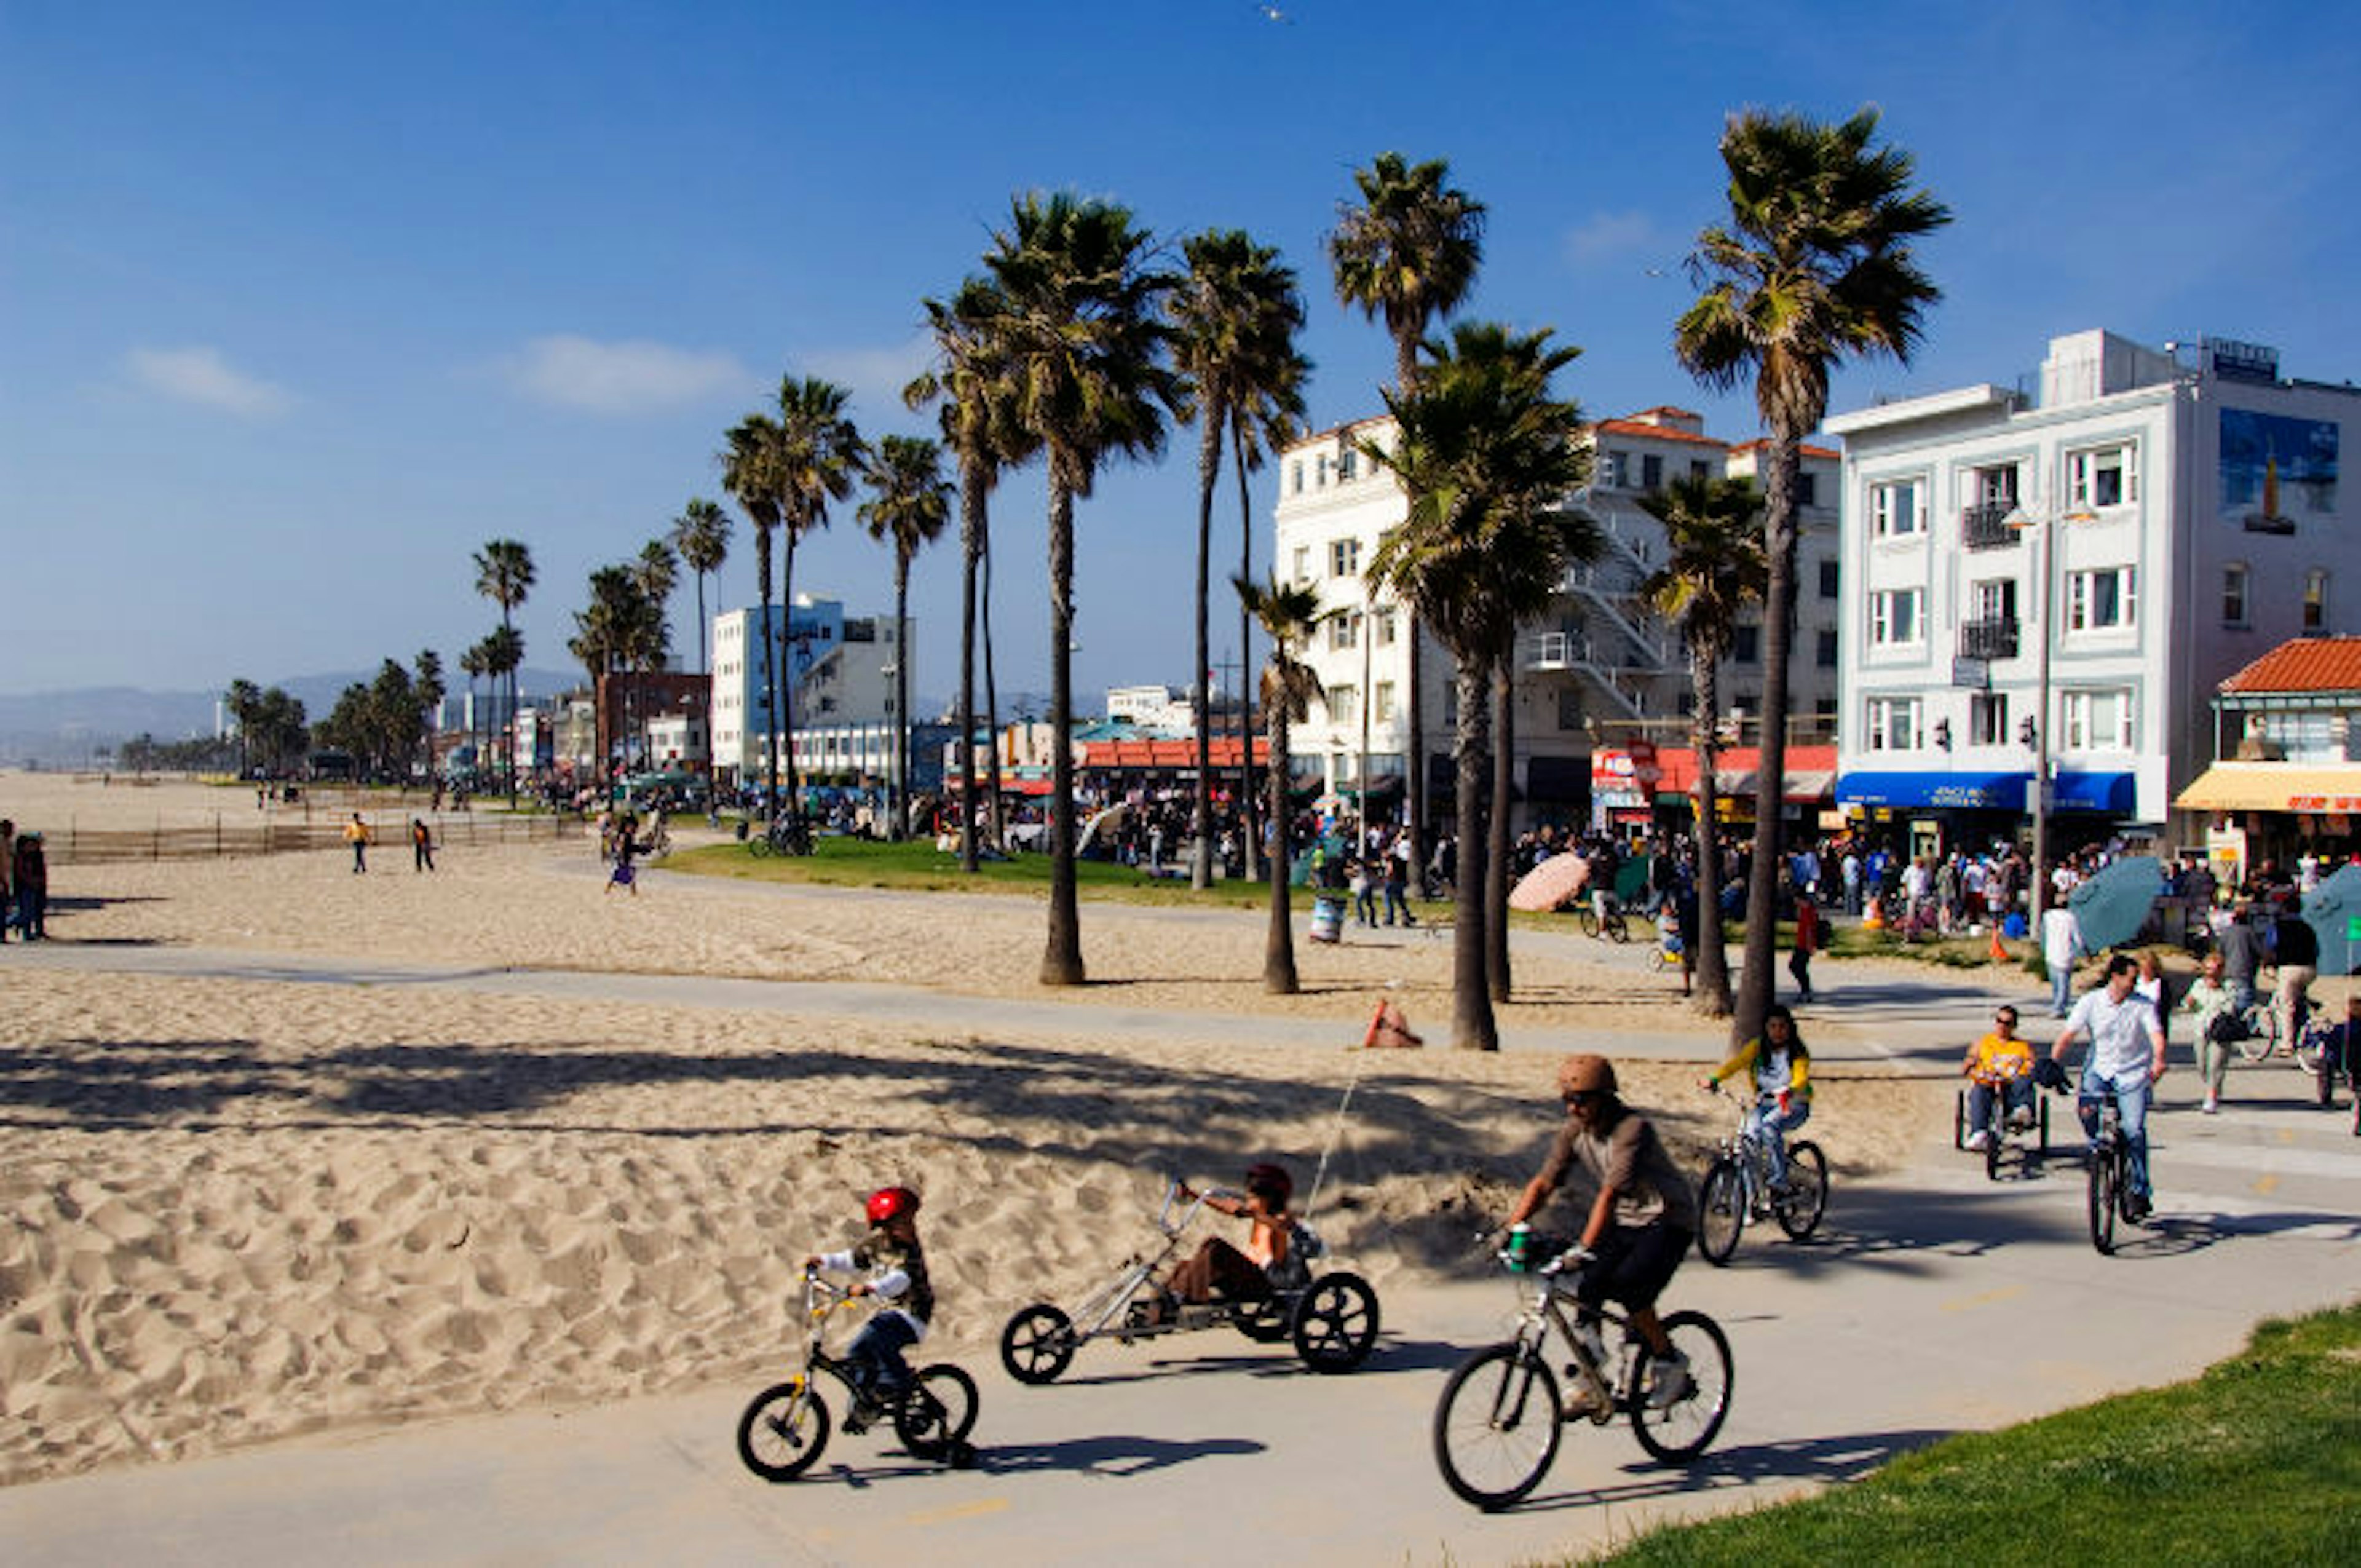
{"type": "Point", "coordinates": [1344, 557]}
{"type": "Point", "coordinates": [1699, 468]}
{"type": "Point", "coordinates": [1807, 490]}
{"type": "Point", "coordinates": [1344, 630]}
{"type": "Point", "coordinates": [2315, 600]}
{"type": "Point", "coordinates": [1828, 649]}
{"type": "Point", "coordinates": [1988, 718]}
{"type": "Point", "coordinates": [1615, 469]}
{"type": "Point", "coordinates": [1828, 579]}
{"type": "Point", "coordinates": [1994, 486]}
{"type": "Point", "coordinates": [2098, 720]}
{"type": "Point", "coordinates": [1895, 509]}
{"type": "Point", "coordinates": [1652, 472]}
{"type": "Point", "coordinates": [2233, 595]}
{"type": "Point", "coordinates": [2101, 477]}
{"type": "Point", "coordinates": [2099, 601]}
{"type": "Point", "coordinates": [1348, 463]}
{"type": "Point", "coordinates": [1892, 724]}
{"type": "Point", "coordinates": [1383, 628]}
{"type": "Point", "coordinates": [1295, 478]}
{"type": "Point", "coordinates": [1746, 644]}
{"type": "Point", "coordinates": [1384, 709]}
{"type": "Point", "coordinates": [1304, 562]}
{"type": "Point", "coordinates": [1570, 709]}
{"type": "Point", "coordinates": [1893, 618]}
{"type": "Point", "coordinates": [1343, 703]}
{"type": "Point", "coordinates": [1823, 717]}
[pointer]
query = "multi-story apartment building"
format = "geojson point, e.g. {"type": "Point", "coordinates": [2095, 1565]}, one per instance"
{"type": "Point", "coordinates": [836, 679]}
{"type": "Point", "coordinates": [1597, 669]}
{"type": "Point", "coordinates": [2068, 569]}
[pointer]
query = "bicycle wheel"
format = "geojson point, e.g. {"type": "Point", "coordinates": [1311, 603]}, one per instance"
{"type": "Point", "coordinates": [2262, 1035]}
{"type": "Point", "coordinates": [1679, 1431]}
{"type": "Point", "coordinates": [1995, 1134]}
{"type": "Point", "coordinates": [1587, 918]}
{"type": "Point", "coordinates": [2310, 1053]}
{"type": "Point", "coordinates": [1497, 1425]}
{"type": "Point", "coordinates": [935, 1417]}
{"type": "Point", "coordinates": [1336, 1322]}
{"type": "Point", "coordinates": [1038, 1343]}
{"type": "Point", "coordinates": [1617, 929]}
{"type": "Point", "coordinates": [1721, 1212]}
{"type": "Point", "coordinates": [1267, 1322]}
{"type": "Point", "coordinates": [2105, 1183]}
{"type": "Point", "coordinates": [1808, 1191]}
{"type": "Point", "coordinates": [783, 1430]}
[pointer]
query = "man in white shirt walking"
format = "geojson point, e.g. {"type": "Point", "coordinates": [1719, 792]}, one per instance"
{"type": "Point", "coordinates": [2062, 946]}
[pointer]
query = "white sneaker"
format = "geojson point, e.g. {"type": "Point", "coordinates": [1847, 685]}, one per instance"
{"type": "Point", "coordinates": [1582, 1401]}
{"type": "Point", "coordinates": [1978, 1139]}
{"type": "Point", "coordinates": [1669, 1381]}
{"type": "Point", "coordinates": [2211, 1107]}
{"type": "Point", "coordinates": [2020, 1120]}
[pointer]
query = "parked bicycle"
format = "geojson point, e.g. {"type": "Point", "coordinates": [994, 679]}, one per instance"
{"type": "Point", "coordinates": [1738, 1188]}
{"type": "Point", "coordinates": [783, 1432]}
{"type": "Point", "coordinates": [787, 835]}
{"type": "Point", "coordinates": [1501, 1415]}
{"type": "Point", "coordinates": [1609, 923]}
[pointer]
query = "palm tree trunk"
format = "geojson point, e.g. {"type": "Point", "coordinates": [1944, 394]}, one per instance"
{"type": "Point", "coordinates": [901, 765]}
{"type": "Point", "coordinates": [1473, 1028]}
{"type": "Point", "coordinates": [1250, 827]}
{"type": "Point", "coordinates": [1413, 668]}
{"type": "Point", "coordinates": [1062, 959]}
{"type": "Point", "coordinates": [1209, 472]}
{"type": "Point", "coordinates": [970, 552]}
{"type": "Point", "coordinates": [787, 659]}
{"type": "Point", "coordinates": [1496, 864]}
{"type": "Point", "coordinates": [1756, 981]}
{"type": "Point", "coordinates": [992, 709]}
{"type": "Point", "coordinates": [1711, 958]}
{"type": "Point", "coordinates": [770, 677]}
{"type": "Point", "coordinates": [1278, 976]}
{"type": "Point", "coordinates": [508, 751]}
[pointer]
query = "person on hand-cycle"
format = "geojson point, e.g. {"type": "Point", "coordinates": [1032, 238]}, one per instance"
{"type": "Point", "coordinates": [1639, 1227]}
{"type": "Point", "coordinates": [2126, 1058]}
{"type": "Point", "coordinates": [2000, 1063]}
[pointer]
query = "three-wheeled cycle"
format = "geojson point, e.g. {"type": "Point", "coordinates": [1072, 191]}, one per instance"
{"type": "Point", "coordinates": [1332, 1317]}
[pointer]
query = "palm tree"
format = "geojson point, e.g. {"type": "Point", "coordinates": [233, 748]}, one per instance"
{"type": "Point", "coordinates": [504, 575]}
{"type": "Point", "coordinates": [971, 384]}
{"type": "Point", "coordinates": [1082, 339]}
{"type": "Point", "coordinates": [243, 700]}
{"type": "Point", "coordinates": [1234, 318]}
{"type": "Point", "coordinates": [602, 640]}
{"type": "Point", "coordinates": [1485, 455]}
{"type": "Point", "coordinates": [1815, 266]}
{"type": "Point", "coordinates": [1714, 567]}
{"type": "Point", "coordinates": [750, 473]}
{"type": "Point", "coordinates": [654, 574]}
{"type": "Point", "coordinates": [475, 663]}
{"type": "Point", "coordinates": [504, 656]}
{"type": "Point", "coordinates": [1287, 615]}
{"type": "Point", "coordinates": [911, 505]}
{"type": "Point", "coordinates": [819, 457]}
{"type": "Point", "coordinates": [1409, 251]}
{"type": "Point", "coordinates": [701, 535]}
{"type": "Point", "coordinates": [428, 686]}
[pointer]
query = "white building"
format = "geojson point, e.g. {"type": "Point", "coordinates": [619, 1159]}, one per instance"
{"type": "Point", "coordinates": [2142, 526]}
{"type": "Point", "coordinates": [836, 675]}
{"type": "Point", "coordinates": [1597, 669]}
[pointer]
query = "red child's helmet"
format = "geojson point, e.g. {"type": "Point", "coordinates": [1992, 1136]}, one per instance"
{"type": "Point", "coordinates": [890, 1203]}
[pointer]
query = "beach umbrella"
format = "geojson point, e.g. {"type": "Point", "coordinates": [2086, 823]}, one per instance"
{"type": "Point", "coordinates": [2333, 910]}
{"type": "Point", "coordinates": [1551, 884]}
{"type": "Point", "coordinates": [2112, 906]}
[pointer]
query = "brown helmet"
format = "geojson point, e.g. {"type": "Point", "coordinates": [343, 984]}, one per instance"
{"type": "Point", "coordinates": [1585, 1074]}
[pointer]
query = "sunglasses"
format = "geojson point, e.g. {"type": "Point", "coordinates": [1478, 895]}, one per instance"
{"type": "Point", "coordinates": [1583, 1097]}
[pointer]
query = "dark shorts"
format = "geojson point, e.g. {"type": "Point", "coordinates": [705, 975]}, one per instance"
{"type": "Point", "coordinates": [1634, 1264]}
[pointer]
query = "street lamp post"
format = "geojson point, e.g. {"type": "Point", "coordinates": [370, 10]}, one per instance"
{"type": "Point", "coordinates": [2024, 521]}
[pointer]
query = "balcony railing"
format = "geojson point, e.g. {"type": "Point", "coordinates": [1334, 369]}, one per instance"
{"type": "Point", "coordinates": [1986, 526]}
{"type": "Point", "coordinates": [1992, 637]}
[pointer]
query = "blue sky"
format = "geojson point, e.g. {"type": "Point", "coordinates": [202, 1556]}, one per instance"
{"type": "Point", "coordinates": [299, 304]}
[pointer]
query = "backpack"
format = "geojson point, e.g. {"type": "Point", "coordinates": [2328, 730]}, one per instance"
{"type": "Point", "coordinates": [2227, 1027]}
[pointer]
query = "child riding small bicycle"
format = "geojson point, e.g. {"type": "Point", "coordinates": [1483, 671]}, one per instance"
{"type": "Point", "coordinates": [896, 1265]}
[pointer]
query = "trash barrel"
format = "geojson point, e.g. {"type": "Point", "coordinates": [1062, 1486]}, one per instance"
{"type": "Point", "coordinates": [1327, 917]}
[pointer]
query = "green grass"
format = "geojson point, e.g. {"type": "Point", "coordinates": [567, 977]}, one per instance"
{"type": "Point", "coordinates": [2257, 1461]}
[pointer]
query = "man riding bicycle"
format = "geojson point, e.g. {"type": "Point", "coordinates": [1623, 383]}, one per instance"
{"type": "Point", "coordinates": [1639, 1227]}
{"type": "Point", "coordinates": [2126, 1058]}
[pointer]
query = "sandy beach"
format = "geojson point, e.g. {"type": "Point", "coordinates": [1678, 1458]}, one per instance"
{"type": "Point", "coordinates": [239, 1210]}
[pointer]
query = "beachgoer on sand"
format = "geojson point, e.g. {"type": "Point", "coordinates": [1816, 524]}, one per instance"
{"type": "Point", "coordinates": [356, 834]}
{"type": "Point", "coordinates": [422, 845]}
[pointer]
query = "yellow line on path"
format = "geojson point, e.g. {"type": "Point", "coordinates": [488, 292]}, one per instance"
{"type": "Point", "coordinates": [2267, 1184]}
{"type": "Point", "coordinates": [976, 1510]}
{"type": "Point", "coordinates": [1989, 1298]}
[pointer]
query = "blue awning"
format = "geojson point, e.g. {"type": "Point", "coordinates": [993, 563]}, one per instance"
{"type": "Point", "coordinates": [1955, 791]}
{"type": "Point", "coordinates": [2110, 794]}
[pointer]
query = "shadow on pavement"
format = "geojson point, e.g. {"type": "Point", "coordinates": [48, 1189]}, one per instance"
{"type": "Point", "coordinates": [1824, 1459]}
{"type": "Point", "coordinates": [1111, 1456]}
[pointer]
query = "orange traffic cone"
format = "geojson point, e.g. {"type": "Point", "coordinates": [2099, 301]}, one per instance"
{"type": "Point", "coordinates": [1388, 1028]}
{"type": "Point", "coordinates": [1999, 953]}
{"type": "Point", "coordinates": [1874, 918]}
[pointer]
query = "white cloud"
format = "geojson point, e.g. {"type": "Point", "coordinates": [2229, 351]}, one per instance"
{"type": "Point", "coordinates": [620, 378]}
{"type": "Point", "coordinates": [202, 376]}
{"type": "Point", "coordinates": [1609, 235]}
{"type": "Point", "coordinates": [875, 374]}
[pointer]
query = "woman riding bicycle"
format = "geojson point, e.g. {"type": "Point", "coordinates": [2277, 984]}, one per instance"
{"type": "Point", "coordinates": [1640, 1225]}
{"type": "Point", "coordinates": [1781, 1065]}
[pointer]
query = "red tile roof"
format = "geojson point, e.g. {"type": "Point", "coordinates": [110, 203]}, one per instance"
{"type": "Point", "coordinates": [1657, 432]}
{"type": "Point", "coordinates": [2306, 664]}
{"type": "Point", "coordinates": [1807, 450]}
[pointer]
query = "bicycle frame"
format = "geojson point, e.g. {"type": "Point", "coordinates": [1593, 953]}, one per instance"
{"type": "Point", "coordinates": [1103, 1306]}
{"type": "Point", "coordinates": [1547, 1289]}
